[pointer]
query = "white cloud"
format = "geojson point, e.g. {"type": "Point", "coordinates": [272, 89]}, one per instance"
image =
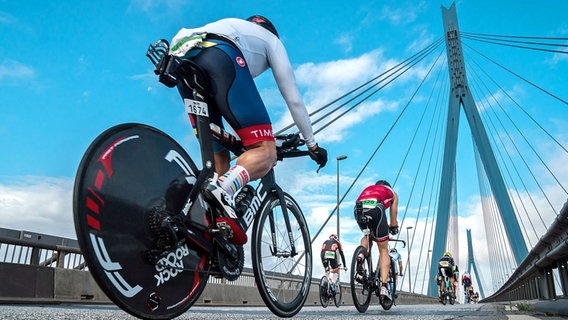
{"type": "Point", "coordinates": [326, 81]}
{"type": "Point", "coordinates": [11, 70]}
{"type": "Point", "coordinates": [345, 41]}
{"type": "Point", "coordinates": [38, 204]}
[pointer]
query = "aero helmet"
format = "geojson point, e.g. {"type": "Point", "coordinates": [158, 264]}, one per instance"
{"type": "Point", "coordinates": [447, 254]}
{"type": "Point", "coordinates": [263, 22]}
{"type": "Point", "coordinates": [393, 250]}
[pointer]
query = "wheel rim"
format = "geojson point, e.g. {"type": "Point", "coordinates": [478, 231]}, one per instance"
{"type": "Point", "coordinates": [282, 281]}
{"type": "Point", "coordinates": [360, 293]}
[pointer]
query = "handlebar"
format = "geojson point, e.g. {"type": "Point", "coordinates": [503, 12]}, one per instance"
{"type": "Point", "coordinates": [397, 240]}
{"type": "Point", "coordinates": [287, 146]}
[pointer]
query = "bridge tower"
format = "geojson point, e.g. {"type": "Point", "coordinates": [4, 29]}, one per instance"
{"type": "Point", "coordinates": [471, 265]}
{"type": "Point", "coordinates": [460, 94]}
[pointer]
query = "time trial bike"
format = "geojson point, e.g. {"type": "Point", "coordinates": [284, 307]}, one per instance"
{"type": "Point", "coordinates": [150, 236]}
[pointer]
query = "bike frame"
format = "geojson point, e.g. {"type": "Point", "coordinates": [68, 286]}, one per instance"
{"type": "Point", "coordinates": [208, 133]}
{"type": "Point", "coordinates": [376, 272]}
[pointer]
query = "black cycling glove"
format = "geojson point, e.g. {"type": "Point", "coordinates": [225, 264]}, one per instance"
{"type": "Point", "coordinates": [319, 155]}
{"type": "Point", "coordinates": [393, 230]}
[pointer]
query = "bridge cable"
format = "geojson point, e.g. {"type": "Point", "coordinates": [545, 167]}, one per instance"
{"type": "Point", "coordinates": [494, 41]}
{"type": "Point", "coordinates": [518, 76]}
{"type": "Point", "coordinates": [366, 164]}
{"type": "Point", "coordinates": [494, 130]}
{"type": "Point", "coordinates": [428, 166]}
{"type": "Point", "coordinates": [521, 132]}
{"type": "Point", "coordinates": [518, 152]}
{"type": "Point", "coordinates": [487, 116]}
{"type": "Point", "coordinates": [435, 182]}
{"type": "Point", "coordinates": [364, 99]}
{"type": "Point", "coordinates": [418, 56]}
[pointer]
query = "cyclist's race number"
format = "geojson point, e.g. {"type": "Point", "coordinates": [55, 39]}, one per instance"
{"type": "Point", "coordinates": [196, 107]}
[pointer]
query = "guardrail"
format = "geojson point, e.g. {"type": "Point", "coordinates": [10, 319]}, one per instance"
{"type": "Point", "coordinates": [39, 268]}
{"type": "Point", "coordinates": [534, 277]}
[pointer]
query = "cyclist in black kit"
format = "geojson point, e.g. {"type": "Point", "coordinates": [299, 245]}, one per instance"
{"type": "Point", "coordinates": [328, 255]}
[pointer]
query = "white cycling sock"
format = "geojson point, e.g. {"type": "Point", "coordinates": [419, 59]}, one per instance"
{"type": "Point", "coordinates": [333, 277]}
{"type": "Point", "coordinates": [234, 179]}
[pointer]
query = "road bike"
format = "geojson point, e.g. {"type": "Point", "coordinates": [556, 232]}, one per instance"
{"type": "Point", "coordinates": [467, 295]}
{"type": "Point", "coordinates": [330, 291]}
{"type": "Point", "coordinates": [369, 281]}
{"type": "Point", "coordinates": [150, 236]}
{"type": "Point", "coordinates": [446, 293]}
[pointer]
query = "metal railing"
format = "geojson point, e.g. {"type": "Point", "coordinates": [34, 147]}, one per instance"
{"type": "Point", "coordinates": [29, 248]}
{"type": "Point", "coordinates": [534, 278]}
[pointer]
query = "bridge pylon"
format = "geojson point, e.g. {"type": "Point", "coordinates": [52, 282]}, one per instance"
{"type": "Point", "coordinates": [460, 94]}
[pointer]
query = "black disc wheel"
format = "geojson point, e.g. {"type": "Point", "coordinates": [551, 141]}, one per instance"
{"type": "Point", "coordinates": [127, 185]}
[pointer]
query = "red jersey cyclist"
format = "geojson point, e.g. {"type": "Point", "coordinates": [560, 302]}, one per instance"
{"type": "Point", "coordinates": [373, 202]}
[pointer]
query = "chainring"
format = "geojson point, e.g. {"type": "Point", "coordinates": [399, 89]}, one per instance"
{"type": "Point", "coordinates": [231, 268]}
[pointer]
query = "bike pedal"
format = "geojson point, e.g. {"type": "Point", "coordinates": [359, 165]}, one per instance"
{"type": "Point", "coordinates": [235, 234]}
{"type": "Point", "coordinates": [225, 229]}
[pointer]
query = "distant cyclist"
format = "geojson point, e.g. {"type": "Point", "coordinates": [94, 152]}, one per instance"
{"type": "Point", "coordinates": [232, 52]}
{"type": "Point", "coordinates": [329, 251]}
{"type": "Point", "coordinates": [398, 258]}
{"type": "Point", "coordinates": [447, 267]}
{"type": "Point", "coordinates": [372, 203]}
{"type": "Point", "coordinates": [466, 283]}
{"type": "Point", "coordinates": [471, 293]}
{"type": "Point", "coordinates": [475, 297]}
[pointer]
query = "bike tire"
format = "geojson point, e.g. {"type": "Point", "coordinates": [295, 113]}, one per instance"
{"type": "Point", "coordinates": [451, 298]}
{"type": "Point", "coordinates": [283, 279]}
{"type": "Point", "coordinates": [361, 292]}
{"type": "Point", "coordinates": [391, 280]}
{"type": "Point", "coordinates": [337, 297]}
{"type": "Point", "coordinates": [323, 291]}
{"type": "Point", "coordinates": [122, 175]}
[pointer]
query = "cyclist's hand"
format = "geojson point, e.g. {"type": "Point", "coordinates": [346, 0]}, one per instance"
{"type": "Point", "coordinates": [319, 155]}
{"type": "Point", "coordinates": [393, 230]}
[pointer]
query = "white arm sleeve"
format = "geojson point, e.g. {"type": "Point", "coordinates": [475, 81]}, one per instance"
{"type": "Point", "coordinates": [284, 76]}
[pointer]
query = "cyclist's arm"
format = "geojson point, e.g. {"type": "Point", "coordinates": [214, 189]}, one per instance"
{"type": "Point", "coordinates": [284, 76]}
{"type": "Point", "coordinates": [342, 258]}
{"type": "Point", "coordinates": [394, 210]}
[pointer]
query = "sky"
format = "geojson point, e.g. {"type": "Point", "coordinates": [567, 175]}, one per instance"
{"type": "Point", "coordinates": [71, 69]}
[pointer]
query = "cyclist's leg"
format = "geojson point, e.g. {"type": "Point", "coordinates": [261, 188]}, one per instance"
{"type": "Point", "coordinates": [258, 159]}
{"type": "Point", "coordinates": [334, 270]}
{"type": "Point", "coordinates": [381, 231]}
{"type": "Point", "coordinates": [240, 104]}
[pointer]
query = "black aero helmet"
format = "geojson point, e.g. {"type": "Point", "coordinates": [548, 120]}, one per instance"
{"type": "Point", "coordinates": [383, 183]}
{"type": "Point", "coordinates": [263, 22]}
